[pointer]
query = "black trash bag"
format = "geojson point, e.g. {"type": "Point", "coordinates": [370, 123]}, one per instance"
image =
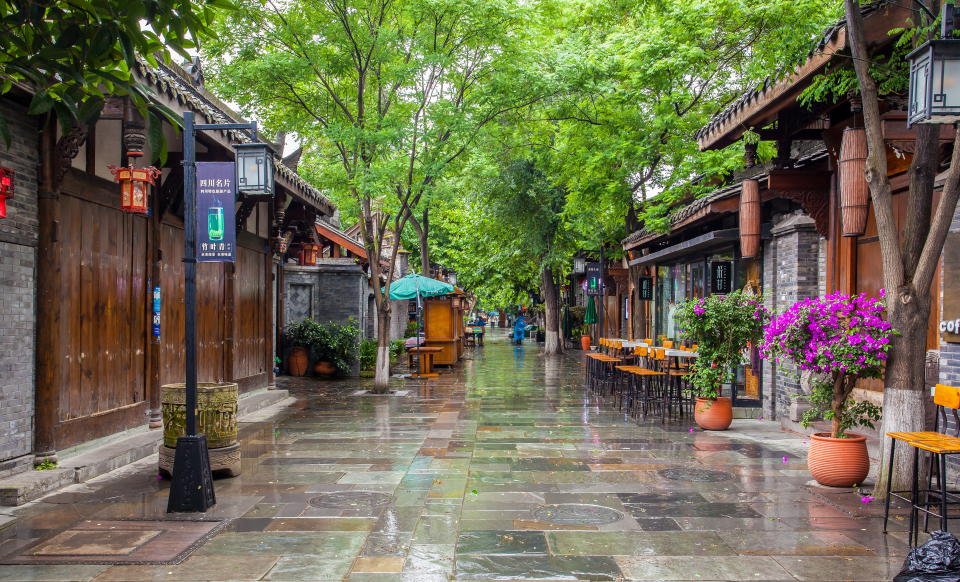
{"type": "Point", "coordinates": [938, 560]}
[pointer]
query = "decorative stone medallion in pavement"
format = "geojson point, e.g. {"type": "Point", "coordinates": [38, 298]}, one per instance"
{"type": "Point", "coordinates": [371, 501]}
{"type": "Point", "coordinates": [118, 542]}
{"type": "Point", "coordinates": [695, 475]}
{"type": "Point", "coordinates": [576, 514]}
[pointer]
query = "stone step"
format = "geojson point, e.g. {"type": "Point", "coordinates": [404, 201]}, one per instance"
{"type": "Point", "coordinates": [745, 412]}
{"type": "Point", "coordinates": [109, 454]}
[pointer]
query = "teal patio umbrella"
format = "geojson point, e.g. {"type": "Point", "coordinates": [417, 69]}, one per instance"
{"type": "Point", "coordinates": [414, 286]}
{"type": "Point", "coordinates": [591, 314]}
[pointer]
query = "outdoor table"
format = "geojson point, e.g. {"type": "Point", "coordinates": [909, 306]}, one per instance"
{"type": "Point", "coordinates": [680, 354]}
{"type": "Point", "coordinates": [424, 360]}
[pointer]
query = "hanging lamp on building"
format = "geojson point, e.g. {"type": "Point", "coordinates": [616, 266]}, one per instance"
{"type": "Point", "coordinates": [135, 187]}
{"type": "Point", "coordinates": [854, 190]}
{"type": "Point", "coordinates": [6, 189]}
{"type": "Point", "coordinates": [749, 219]}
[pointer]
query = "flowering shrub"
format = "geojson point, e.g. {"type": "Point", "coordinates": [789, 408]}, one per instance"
{"type": "Point", "coordinates": [722, 326]}
{"type": "Point", "coordinates": [840, 336]}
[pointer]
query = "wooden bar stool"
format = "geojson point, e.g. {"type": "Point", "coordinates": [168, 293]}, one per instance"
{"type": "Point", "coordinates": [939, 445]}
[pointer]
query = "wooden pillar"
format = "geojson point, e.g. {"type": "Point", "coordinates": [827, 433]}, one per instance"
{"type": "Point", "coordinates": [269, 332]}
{"type": "Point", "coordinates": [153, 343]}
{"type": "Point", "coordinates": [229, 320]}
{"type": "Point", "coordinates": [49, 349]}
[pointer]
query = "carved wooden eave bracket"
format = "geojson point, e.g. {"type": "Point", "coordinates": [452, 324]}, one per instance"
{"type": "Point", "coordinates": [814, 202]}
{"type": "Point", "coordinates": [68, 146]}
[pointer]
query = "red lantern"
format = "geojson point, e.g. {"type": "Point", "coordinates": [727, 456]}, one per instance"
{"type": "Point", "coordinates": [135, 187]}
{"type": "Point", "coordinates": [6, 189]}
{"type": "Point", "coordinates": [308, 254]}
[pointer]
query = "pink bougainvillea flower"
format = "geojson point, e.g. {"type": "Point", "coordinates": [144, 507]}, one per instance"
{"type": "Point", "coordinates": [866, 499]}
{"type": "Point", "coordinates": [786, 459]}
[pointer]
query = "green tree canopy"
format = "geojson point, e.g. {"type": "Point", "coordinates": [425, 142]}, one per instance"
{"type": "Point", "coordinates": [70, 54]}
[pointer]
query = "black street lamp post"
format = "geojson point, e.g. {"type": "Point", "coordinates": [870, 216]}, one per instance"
{"type": "Point", "coordinates": [191, 489]}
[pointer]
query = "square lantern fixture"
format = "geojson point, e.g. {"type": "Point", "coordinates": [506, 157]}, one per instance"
{"type": "Point", "coordinates": [135, 187]}
{"type": "Point", "coordinates": [579, 265]}
{"type": "Point", "coordinates": [452, 277]}
{"type": "Point", "coordinates": [6, 189]}
{"type": "Point", "coordinates": [255, 171]}
{"type": "Point", "coordinates": [934, 95]}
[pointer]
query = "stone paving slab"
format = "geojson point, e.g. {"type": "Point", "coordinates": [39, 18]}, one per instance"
{"type": "Point", "coordinates": [504, 468]}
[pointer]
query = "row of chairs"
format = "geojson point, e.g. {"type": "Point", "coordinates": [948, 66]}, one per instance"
{"type": "Point", "coordinates": [641, 381]}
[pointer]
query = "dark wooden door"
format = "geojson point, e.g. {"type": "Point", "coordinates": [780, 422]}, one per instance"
{"type": "Point", "coordinates": [210, 313]}
{"type": "Point", "coordinates": [103, 320]}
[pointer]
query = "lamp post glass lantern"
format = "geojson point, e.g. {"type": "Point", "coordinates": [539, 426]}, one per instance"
{"type": "Point", "coordinates": [191, 489]}
{"type": "Point", "coordinates": [934, 82]}
{"type": "Point", "coordinates": [579, 264]}
{"type": "Point", "coordinates": [254, 169]}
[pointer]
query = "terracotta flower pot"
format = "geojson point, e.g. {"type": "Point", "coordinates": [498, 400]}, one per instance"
{"type": "Point", "coordinates": [838, 462]}
{"type": "Point", "coordinates": [298, 360]}
{"type": "Point", "coordinates": [585, 342]}
{"type": "Point", "coordinates": [324, 368]}
{"type": "Point", "coordinates": [713, 414]}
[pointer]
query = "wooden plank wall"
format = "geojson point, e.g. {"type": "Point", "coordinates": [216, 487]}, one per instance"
{"type": "Point", "coordinates": [105, 327]}
{"type": "Point", "coordinates": [104, 315]}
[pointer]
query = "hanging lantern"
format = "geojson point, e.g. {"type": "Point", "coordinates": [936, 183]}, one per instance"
{"type": "Point", "coordinates": [135, 187]}
{"type": "Point", "coordinates": [749, 218]}
{"type": "Point", "coordinates": [854, 190]}
{"type": "Point", "coordinates": [254, 170]}
{"type": "Point", "coordinates": [308, 254]}
{"type": "Point", "coordinates": [6, 189]}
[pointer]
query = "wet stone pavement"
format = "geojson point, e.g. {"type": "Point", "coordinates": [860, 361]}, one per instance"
{"type": "Point", "coordinates": [505, 469]}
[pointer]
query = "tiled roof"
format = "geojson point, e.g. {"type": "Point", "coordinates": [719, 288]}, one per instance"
{"type": "Point", "coordinates": [173, 81]}
{"type": "Point", "coordinates": [720, 120]}
{"type": "Point", "coordinates": [812, 153]}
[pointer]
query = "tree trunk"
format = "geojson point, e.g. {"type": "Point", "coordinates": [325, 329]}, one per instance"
{"type": "Point", "coordinates": [904, 390]}
{"type": "Point", "coordinates": [422, 228]}
{"type": "Point", "coordinates": [381, 380]}
{"type": "Point", "coordinates": [552, 343]}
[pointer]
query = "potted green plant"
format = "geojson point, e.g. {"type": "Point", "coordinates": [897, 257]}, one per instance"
{"type": "Point", "coordinates": [300, 337]}
{"type": "Point", "coordinates": [722, 326]}
{"type": "Point", "coordinates": [337, 348]}
{"type": "Point", "coordinates": [841, 338]}
{"type": "Point", "coordinates": [368, 358]}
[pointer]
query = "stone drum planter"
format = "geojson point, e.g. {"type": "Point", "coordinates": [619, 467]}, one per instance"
{"type": "Point", "coordinates": [216, 418]}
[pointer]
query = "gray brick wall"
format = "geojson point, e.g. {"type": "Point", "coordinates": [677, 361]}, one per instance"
{"type": "Point", "coordinates": [332, 291]}
{"type": "Point", "coordinates": [793, 261]}
{"type": "Point", "coordinates": [18, 240]}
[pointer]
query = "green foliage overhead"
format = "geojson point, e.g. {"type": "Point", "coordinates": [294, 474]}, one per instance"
{"type": "Point", "coordinates": [69, 54]}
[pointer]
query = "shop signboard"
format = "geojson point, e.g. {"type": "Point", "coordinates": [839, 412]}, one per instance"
{"type": "Point", "coordinates": [950, 326]}
{"type": "Point", "coordinates": [594, 279]}
{"type": "Point", "coordinates": [156, 314]}
{"type": "Point", "coordinates": [646, 288]}
{"type": "Point", "coordinates": [721, 277]}
{"type": "Point", "coordinates": [216, 226]}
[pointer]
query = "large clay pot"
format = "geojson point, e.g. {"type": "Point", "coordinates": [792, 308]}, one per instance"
{"type": "Point", "coordinates": [324, 368]}
{"type": "Point", "coordinates": [298, 361]}
{"type": "Point", "coordinates": [713, 414]}
{"type": "Point", "coordinates": [585, 342]}
{"type": "Point", "coordinates": [838, 462]}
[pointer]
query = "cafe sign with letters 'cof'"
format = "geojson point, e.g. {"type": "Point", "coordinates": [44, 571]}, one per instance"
{"type": "Point", "coordinates": [950, 326]}
{"type": "Point", "coordinates": [216, 227]}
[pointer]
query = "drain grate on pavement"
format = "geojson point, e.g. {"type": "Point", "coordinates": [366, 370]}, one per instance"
{"type": "Point", "coordinates": [372, 501]}
{"type": "Point", "coordinates": [112, 542]}
{"type": "Point", "coordinates": [695, 475]}
{"type": "Point", "coordinates": [576, 514]}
